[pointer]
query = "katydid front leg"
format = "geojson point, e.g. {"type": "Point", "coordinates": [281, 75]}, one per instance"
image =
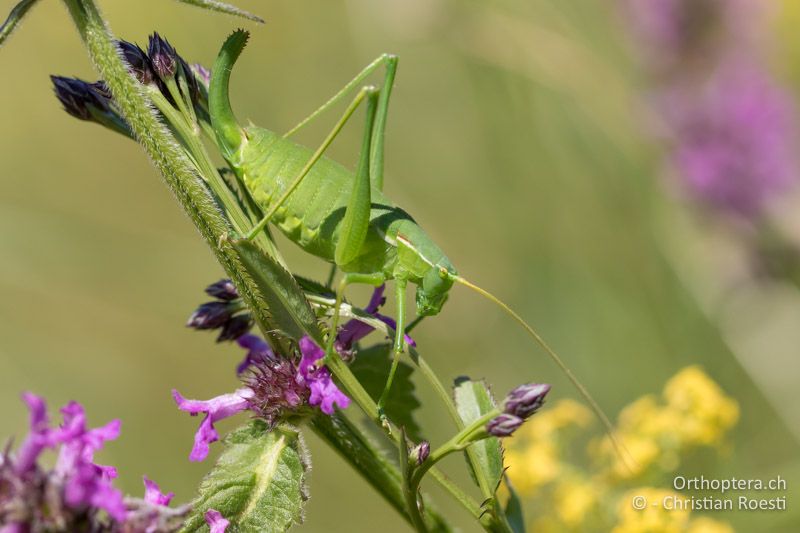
{"type": "Point", "coordinates": [398, 347]}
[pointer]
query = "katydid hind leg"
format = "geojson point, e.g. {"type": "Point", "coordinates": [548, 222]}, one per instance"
{"type": "Point", "coordinates": [354, 225]}
{"type": "Point", "coordinates": [379, 129]}
{"type": "Point", "coordinates": [390, 63]}
{"type": "Point", "coordinates": [316, 156]}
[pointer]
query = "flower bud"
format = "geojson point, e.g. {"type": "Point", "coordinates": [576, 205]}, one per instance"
{"type": "Point", "coordinates": [235, 328]}
{"type": "Point", "coordinates": [210, 315]}
{"type": "Point", "coordinates": [163, 56]}
{"type": "Point", "coordinates": [503, 425]}
{"type": "Point", "coordinates": [224, 289]}
{"type": "Point", "coordinates": [420, 452]}
{"type": "Point", "coordinates": [138, 62]}
{"type": "Point", "coordinates": [526, 399]}
{"type": "Point", "coordinates": [78, 96]}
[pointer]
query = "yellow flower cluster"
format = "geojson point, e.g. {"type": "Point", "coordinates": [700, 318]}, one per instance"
{"type": "Point", "coordinates": [693, 411]}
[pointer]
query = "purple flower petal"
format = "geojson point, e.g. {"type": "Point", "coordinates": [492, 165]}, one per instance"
{"type": "Point", "coordinates": [86, 486]}
{"type": "Point", "coordinates": [215, 521]}
{"type": "Point", "coordinates": [215, 409]}
{"type": "Point", "coordinates": [153, 494]}
{"type": "Point", "coordinates": [257, 350]}
{"type": "Point", "coordinates": [324, 391]}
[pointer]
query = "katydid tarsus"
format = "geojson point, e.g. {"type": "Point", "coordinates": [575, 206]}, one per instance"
{"type": "Point", "coordinates": [341, 216]}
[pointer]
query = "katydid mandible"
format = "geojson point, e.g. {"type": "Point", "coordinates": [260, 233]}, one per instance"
{"type": "Point", "coordinates": [341, 216]}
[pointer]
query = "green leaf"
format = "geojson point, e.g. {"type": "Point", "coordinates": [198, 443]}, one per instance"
{"type": "Point", "coordinates": [288, 306]}
{"type": "Point", "coordinates": [258, 482]}
{"type": "Point", "coordinates": [371, 367]}
{"type": "Point", "coordinates": [513, 510]}
{"type": "Point", "coordinates": [474, 400]}
{"type": "Point", "coordinates": [14, 19]}
{"type": "Point", "coordinates": [222, 7]}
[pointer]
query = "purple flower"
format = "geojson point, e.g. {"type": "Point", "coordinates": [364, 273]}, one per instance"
{"type": "Point", "coordinates": [277, 391]}
{"type": "Point", "coordinates": [324, 391]}
{"type": "Point", "coordinates": [88, 484]}
{"type": "Point", "coordinates": [76, 485]}
{"type": "Point", "coordinates": [355, 330]}
{"type": "Point", "coordinates": [257, 351]}
{"type": "Point", "coordinates": [153, 494]}
{"type": "Point", "coordinates": [215, 409]}
{"type": "Point", "coordinates": [735, 139]}
{"type": "Point", "coordinates": [215, 521]}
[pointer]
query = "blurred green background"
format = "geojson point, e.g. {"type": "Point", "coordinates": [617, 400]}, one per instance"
{"type": "Point", "coordinates": [515, 138]}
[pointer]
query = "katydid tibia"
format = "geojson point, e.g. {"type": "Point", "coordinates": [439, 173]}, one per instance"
{"type": "Point", "coordinates": [340, 216]}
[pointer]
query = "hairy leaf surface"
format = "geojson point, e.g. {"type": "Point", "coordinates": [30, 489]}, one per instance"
{"type": "Point", "coordinates": [257, 483]}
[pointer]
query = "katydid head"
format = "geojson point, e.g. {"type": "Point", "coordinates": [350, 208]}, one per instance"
{"type": "Point", "coordinates": [433, 290]}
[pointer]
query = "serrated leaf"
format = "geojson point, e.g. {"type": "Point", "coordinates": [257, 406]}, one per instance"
{"type": "Point", "coordinates": [288, 306]}
{"type": "Point", "coordinates": [257, 483]}
{"type": "Point", "coordinates": [474, 400]}
{"type": "Point", "coordinates": [371, 367]}
{"type": "Point", "coordinates": [222, 7]}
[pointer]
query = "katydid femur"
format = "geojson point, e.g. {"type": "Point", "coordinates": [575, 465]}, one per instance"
{"type": "Point", "coordinates": [341, 217]}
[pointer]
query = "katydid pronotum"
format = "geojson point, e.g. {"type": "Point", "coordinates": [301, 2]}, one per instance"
{"type": "Point", "coordinates": [340, 216]}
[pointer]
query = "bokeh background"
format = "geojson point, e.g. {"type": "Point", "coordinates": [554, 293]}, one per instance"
{"type": "Point", "coordinates": [519, 136]}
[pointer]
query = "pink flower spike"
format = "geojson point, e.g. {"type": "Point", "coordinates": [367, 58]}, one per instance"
{"type": "Point", "coordinates": [153, 494]}
{"type": "Point", "coordinates": [216, 522]}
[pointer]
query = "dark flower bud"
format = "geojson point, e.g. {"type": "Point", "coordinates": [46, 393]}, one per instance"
{"type": "Point", "coordinates": [503, 425]}
{"type": "Point", "coordinates": [138, 62]}
{"type": "Point", "coordinates": [210, 315]}
{"type": "Point", "coordinates": [224, 289]}
{"type": "Point", "coordinates": [77, 96]}
{"type": "Point", "coordinates": [526, 399]}
{"type": "Point", "coordinates": [235, 328]}
{"type": "Point", "coordinates": [163, 56]}
{"type": "Point", "coordinates": [89, 101]}
{"type": "Point", "coordinates": [420, 452]}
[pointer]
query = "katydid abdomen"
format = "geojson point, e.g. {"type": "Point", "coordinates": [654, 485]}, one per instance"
{"type": "Point", "coordinates": [312, 215]}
